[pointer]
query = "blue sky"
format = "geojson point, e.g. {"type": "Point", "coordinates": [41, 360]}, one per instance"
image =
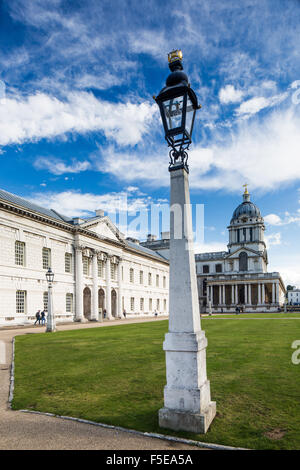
{"type": "Point", "coordinates": [79, 127]}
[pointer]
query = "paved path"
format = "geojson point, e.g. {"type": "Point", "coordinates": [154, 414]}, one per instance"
{"type": "Point", "coordinates": [31, 431]}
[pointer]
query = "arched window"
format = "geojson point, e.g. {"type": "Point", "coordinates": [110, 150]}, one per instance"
{"type": "Point", "coordinates": [243, 261]}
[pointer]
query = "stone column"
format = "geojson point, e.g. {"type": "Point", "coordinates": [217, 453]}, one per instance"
{"type": "Point", "coordinates": [187, 402]}
{"type": "Point", "coordinates": [263, 294]}
{"type": "Point", "coordinates": [249, 296]}
{"type": "Point", "coordinates": [220, 294]}
{"type": "Point", "coordinates": [232, 295]}
{"type": "Point", "coordinates": [212, 294]}
{"type": "Point", "coordinates": [259, 294]}
{"type": "Point", "coordinates": [245, 294]}
{"type": "Point", "coordinates": [108, 289]}
{"type": "Point", "coordinates": [236, 294]}
{"type": "Point", "coordinates": [95, 312]}
{"type": "Point", "coordinates": [273, 292]}
{"type": "Point", "coordinates": [78, 284]}
{"type": "Point", "coordinates": [277, 292]}
{"type": "Point", "coordinates": [120, 312]}
{"type": "Point", "coordinates": [224, 299]}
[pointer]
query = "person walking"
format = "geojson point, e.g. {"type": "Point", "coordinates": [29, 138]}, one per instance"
{"type": "Point", "coordinates": [38, 317]}
{"type": "Point", "coordinates": [124, 313]}
{"type": "Point", "coordinates": [43, 317]}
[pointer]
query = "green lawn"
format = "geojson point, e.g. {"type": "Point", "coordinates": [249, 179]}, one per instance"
{"type": "Point", "coordinates": [116, 375]}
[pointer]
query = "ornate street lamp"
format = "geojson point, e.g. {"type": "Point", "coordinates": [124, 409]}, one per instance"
{"type": "Point", "coordinates": [187, 403]}
{"type": "Point", "coordinates": [178, 105]}
{"type": "Point", "coordinates": [50, 318]}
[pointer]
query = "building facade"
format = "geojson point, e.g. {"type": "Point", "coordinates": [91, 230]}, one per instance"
{"type": "Point", "coordinates": [239, 277]}
{"type": "Point", "coordinates": [293, 297]}
{"type": "Point", "coordinates": [95, 267]}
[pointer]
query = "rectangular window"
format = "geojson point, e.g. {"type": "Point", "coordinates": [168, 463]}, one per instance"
{"type": "Point", "coordinates": [132, 304]}
{"type": "Point", "coordinates": [85, 265]}
{"type": "Point", "coordinates": [157, 304]}
{"type": "Point", "coordinates": [113, 271]}
{"type": "Point", "coordinates": [149, 279]}
{"type": "Point", "coordinates": [131, 275]}
{"type": "Point", "coordinates": [100, 268]}
{"type": "Point", "coordinates": [141, 277]}
{"type": "Point", "coordinates": [164, 282]}
{"type": "Point", "coordinates": [20, 253]}
{"type": "Point", "coordinates": [238, 235]}
{"type": "Point", "coordinates": [142, 304]}
{"type": "Point", "coordinates": [165, 305]}
{"type": "Point", "coordinates": [206, 269]}
{"type": "Point", "coordinates": [69, 303]}
{"type": "Point", "coordinates": [21, 301]}
{"type": "Point", "coordinates": [68, 263]}
{"type": "Point", "coordinates": [46, 258]}
{"type": "Point", "coordinates": [157, 280]}
{"type": "Point", "coordinates": [150, 305]}
{"type": "Point", "coordinates": [218, 268]}
{"type": "Point", "coordinates": [251, 234]}
{"type": "Point", "coordinates": [45, 301]}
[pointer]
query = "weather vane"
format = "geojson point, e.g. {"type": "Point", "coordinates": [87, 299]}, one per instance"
{"type": "Point", "coordinates": [246, 188]}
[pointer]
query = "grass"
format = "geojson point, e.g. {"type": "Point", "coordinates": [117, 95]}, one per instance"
{"type": "Point", "coordinates": [116, 375]}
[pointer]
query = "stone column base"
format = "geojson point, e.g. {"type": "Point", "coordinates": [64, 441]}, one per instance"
{"type": "Point", "coordinates": [184, 421]}
{"type": "Point", "coordinates": [81, 320]}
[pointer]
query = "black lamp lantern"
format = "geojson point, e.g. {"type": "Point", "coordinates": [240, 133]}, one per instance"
{"type": "Point", "coordinates": [178, 105]}
{"type": "Point", "coordinates": [50, 276]}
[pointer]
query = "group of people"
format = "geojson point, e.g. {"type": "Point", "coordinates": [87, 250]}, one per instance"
{"type": "Point", "coordinates": [40, 317]}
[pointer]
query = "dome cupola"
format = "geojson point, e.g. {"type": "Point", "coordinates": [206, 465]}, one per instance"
{"type": "Point", "coordinates": [247, 209]}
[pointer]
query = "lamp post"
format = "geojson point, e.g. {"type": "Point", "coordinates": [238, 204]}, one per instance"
{"type": "Point", "coordinates": [187, 402]}
{"type": "Point", "coordinates": [50, 318]}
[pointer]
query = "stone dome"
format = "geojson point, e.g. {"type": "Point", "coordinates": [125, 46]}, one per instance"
{"type": "Point", "coordinates": [246, 209]}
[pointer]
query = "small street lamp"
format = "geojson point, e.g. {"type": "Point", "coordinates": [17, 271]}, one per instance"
{"type": "Point", "coordinates": [187, 402]}
{"type": "Point", "coordinates": [50, 318]}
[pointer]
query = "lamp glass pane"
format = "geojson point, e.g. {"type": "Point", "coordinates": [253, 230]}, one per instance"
{"type": "Point", "coordinates": [189, 116]}
{"type": "Point", "coordinates": [173, 112]}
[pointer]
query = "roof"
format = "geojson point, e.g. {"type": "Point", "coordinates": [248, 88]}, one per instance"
{"type": "Point", "coordinates": [214, 255]}
{"type": "Point", "coordinates": [19, 201]}
{"type": "Point", "coordinates": [145, 250]}
{"type": "Point", "coordinates": [246, 208]}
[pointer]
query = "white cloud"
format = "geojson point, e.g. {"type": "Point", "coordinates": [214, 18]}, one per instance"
{"type": "Point", "coordinates": [58, 167]}
{"type": "Point", "coordinates": [272, 219]}
{"type": "Point", "coordinates": [229, 94]}
{"type": "Point", "coordinates": [77, 204]}
{"type": "Point", "coordinates": [41, 116]}
{"type": "Point", "coordinates": [257, 103]}
{"type": "Point", "coordinates": [273, 239]}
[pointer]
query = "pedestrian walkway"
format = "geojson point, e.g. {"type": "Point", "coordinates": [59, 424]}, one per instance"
{"type": "Point", "coordinates": [20, 430]}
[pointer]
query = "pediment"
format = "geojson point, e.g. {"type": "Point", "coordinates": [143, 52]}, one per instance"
{"type": "Point", "coordinates": [104, 227]}
{"type": "Point", "coordinates": [249, 251]}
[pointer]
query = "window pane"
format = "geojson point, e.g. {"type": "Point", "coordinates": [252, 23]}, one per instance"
{"type": "Point", "coordinates": [20, 301]}
{"type": "Point", "coordinates": [45, 301]}
{"type": "Point", "coordinates": [173, 112]}
{"type": "Point", "coordinates": [189, 115]}
{"type": "Point", "coordinates": [46, 258]}
{"type": "Point", "coordinates": [69, 303]}
{"type": "Point", "coordinates": [68, 262]}
{"type": "Point", "coordinates": [20, 253]}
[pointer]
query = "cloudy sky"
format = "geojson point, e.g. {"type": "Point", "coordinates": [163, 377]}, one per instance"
{"type": "Point", "coordinates": [79, 128]}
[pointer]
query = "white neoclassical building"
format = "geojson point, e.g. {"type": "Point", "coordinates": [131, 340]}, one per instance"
{"type": "Point", "coordinates": [95, 267]}
{"type": "Point", "coordinates": [239, 277]}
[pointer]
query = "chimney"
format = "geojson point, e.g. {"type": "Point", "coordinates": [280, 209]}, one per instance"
{"type": "Point", "coordinates": [165, 235]}
{"type": "Point", "coordinates": [99, 213]}
{"type": "Point", "coordinates": [151, 238]}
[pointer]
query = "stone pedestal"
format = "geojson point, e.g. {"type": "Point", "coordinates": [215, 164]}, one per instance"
{"type": "Point", "coordinates": [187, 402]}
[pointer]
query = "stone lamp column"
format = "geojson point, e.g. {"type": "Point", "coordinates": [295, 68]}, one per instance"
{"type": "Point", "coordinates": [187, 401]}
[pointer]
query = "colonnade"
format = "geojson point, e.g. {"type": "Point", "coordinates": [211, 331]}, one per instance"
{"type": "Point", "coordinates": [217, 292]}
